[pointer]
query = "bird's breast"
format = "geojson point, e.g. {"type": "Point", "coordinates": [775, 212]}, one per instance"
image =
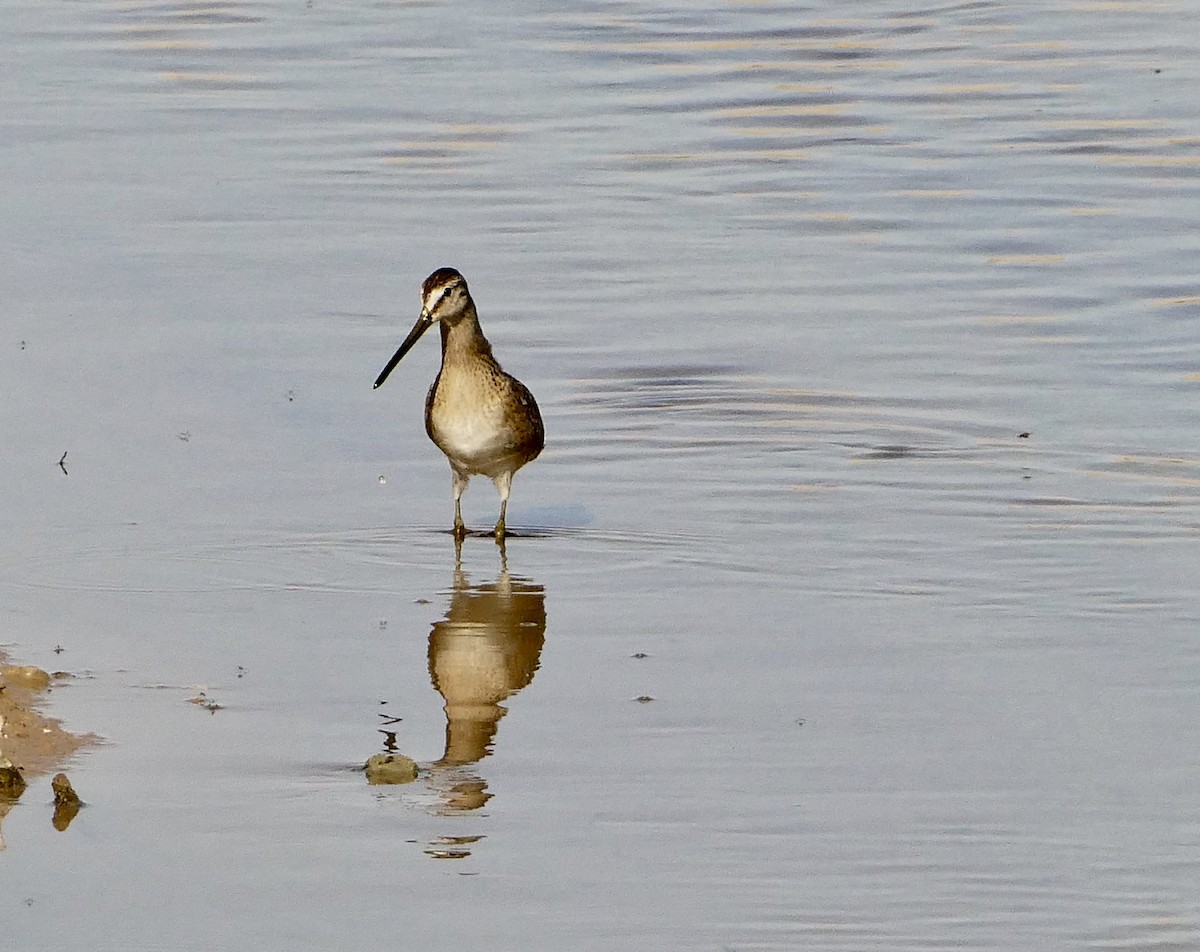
{"type": "Point", "coordinates": [476, 420]}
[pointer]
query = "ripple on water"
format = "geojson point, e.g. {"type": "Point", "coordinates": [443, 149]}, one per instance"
{"type": "Point", "coordinates": [359, 561]}
{"type": "Point", "coordinates": [880, 496]}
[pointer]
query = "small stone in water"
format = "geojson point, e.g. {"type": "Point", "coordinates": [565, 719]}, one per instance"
{"type": "Point", "coordinates": [391, 768]}
{"type": "Point", "coordinates": [64, 793]}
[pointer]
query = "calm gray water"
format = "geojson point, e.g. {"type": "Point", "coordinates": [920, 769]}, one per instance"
{"type": "Point", "coordinates": [790, 281]}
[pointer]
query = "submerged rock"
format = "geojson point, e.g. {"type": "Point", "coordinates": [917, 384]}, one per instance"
{"type": "Point", "coordinates": [391, 768]}
{"type": "Point", "coordinates": [64, 793]}
{"type": "Point", "coordinates": [66, 802]}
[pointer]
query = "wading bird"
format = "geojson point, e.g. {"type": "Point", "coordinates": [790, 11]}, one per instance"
{"type": "Point", "coordinates": [485, 420]}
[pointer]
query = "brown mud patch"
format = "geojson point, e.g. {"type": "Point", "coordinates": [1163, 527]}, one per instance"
{"type": "Point", "coordinates": [34, 743]}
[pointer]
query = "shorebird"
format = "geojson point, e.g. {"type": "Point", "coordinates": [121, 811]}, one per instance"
{"type": "Point", "coordinates": [485, 420]}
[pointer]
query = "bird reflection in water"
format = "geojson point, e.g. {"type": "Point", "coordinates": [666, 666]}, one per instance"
{"type": "Point", "coordinates": [485, 650]}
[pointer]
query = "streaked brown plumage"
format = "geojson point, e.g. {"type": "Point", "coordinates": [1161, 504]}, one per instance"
{"type": "Point", "coordinates": [484, 420]}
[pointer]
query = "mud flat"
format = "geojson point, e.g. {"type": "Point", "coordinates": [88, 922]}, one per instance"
{"type": "Point", "coordinates": [31, 744]}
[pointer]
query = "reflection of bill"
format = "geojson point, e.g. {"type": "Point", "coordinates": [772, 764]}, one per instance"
{"type": "Point", "coordinates": [485, 650]}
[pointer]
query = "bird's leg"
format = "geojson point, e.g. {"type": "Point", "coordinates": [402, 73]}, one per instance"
{"type": "Point", "coordinates": [500, 522]}
{"type": "Point", "coordinates": [503, 485]}
{"type": "Point", "coordinates": [460, 483]}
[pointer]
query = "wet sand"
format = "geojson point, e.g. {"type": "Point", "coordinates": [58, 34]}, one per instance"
{"type": "Point", "coordinates": [35, 743]}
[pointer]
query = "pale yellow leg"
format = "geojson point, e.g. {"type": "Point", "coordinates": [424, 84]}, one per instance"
{"type": "Point", "coordinates": [460, 483]}
{"type": "Point", "coordinates": [503, 485]}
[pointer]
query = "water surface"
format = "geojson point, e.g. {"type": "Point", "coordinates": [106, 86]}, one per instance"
{"type": "Point", "coordinates": [853, 603]}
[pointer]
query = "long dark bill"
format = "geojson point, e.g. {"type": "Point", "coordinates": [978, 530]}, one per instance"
{"type": "Point", "coordinates": [423, 324]}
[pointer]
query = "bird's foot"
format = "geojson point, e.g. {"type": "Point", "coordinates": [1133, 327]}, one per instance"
{"type": "Point", "coordinates": [460, 530]}
{"type": "Point", "coordinates": [500, 530]}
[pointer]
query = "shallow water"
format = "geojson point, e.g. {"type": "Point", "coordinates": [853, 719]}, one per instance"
{"type": "Point", "coordinates": [789, 285]}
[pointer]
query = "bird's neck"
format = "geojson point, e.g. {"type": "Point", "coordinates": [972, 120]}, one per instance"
{"type": "Point", "coordinates": [464, 340]}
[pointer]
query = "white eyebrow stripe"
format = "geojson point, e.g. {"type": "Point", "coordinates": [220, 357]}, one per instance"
{"type": "Point", "coordinates": [435, 293]}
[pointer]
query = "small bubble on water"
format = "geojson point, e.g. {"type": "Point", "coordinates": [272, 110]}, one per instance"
{"type": "Point", "coordinates": [382, 479]}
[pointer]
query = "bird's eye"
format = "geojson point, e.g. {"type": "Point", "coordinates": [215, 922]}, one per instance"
{"type": "Point", "coordinates": [446, 293]}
